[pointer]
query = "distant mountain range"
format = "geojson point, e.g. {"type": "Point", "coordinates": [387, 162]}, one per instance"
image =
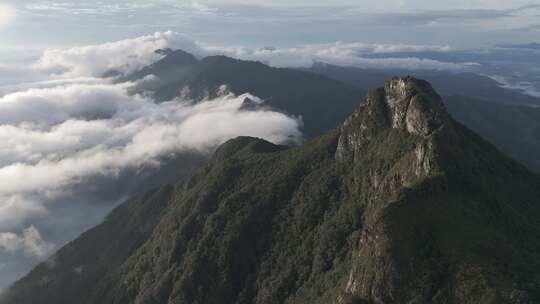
{"type": "Point", "coordinates": [320, 101]}
{"type": "Point", "coordinates": [468, 84]}
{"type": "Point", "coordinates": [398, 204]}
{"type": "Point", "coordinates": [325, 95]}
{"type": "Point", "coordinates": [508, 118]}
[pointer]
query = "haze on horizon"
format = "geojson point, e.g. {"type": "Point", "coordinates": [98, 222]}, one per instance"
{"type": "Point", "coordinates": [27, 25]}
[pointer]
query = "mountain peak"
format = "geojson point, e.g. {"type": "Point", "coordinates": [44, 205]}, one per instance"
{"type": "Point", "coordinates": [414, 106]}
{"type": "Point", "coordinates": [408, 105]}
{"type": "Point", "coordinates": [402, 87]}
{"type": "Point", "coordinates": [406, 111]}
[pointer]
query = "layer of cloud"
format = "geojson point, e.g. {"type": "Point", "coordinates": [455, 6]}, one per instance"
{"type": "Point", "coordinates": [73, 145]}
{"type": "Point", "coordinates": [122, 56]}
{"type": "Point", "coordinates": [29, 242]}
{"type": "Point", "coordinates": [389, 4]}
{"type": "Point", "coordinates": [132, 54]}
{"type": "Point", "coordinates": [52, 136]}
{"type": "Point", "coordinates": [62, 172]}
{"type": "Point", "coordinates": [112, 7]}
{"type": "Point", "coordinates": [56, 137]}
{"type": "Point", "coordinates": [25, 84]}
{"type": "Point", "coordinates": [345, 54]}
{"type": "Point", "coordinates": [479, 23]}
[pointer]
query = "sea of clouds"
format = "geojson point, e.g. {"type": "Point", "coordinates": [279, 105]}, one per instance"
{"type": "Point", "coordinates": [73, 145]}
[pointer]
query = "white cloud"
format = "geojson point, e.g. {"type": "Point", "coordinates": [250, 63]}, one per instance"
{"type": "Point", "coordinates": [29, 242]}
{"type": "Point", "coordinates": [66, 138]}
{"type": "Point", "coordinates": [74, 130]}
{"type": "Point", "coordinates": [344, 54]}
{"type": "Point", "coordinates": [195, 8]}
{"type": "Point", "coordinates": [56, 138]}
{"type": "Point", "coordinates": [16, 209]}
{"type": "Point", "coordinates": [132, 54]}
{"type": "Point", "coordinates": [116, 7]}
{"type": "Point", "coordinates": [524, 86]}
{"type": "Point", "coordinates": [43, 84]}
{"type": "Point", "coordinates": [388, 5]}
{"type": "Point", "coordinates": [7, 15]}
{"type": "Point", "coordinates": [123, 56]}
{"type": "Point", "coordinates": [53, 137]}
{"type": "Point", "coordinates": [58, 133]}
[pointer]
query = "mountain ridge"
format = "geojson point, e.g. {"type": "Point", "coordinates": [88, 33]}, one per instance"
{"type": "Point", "coordinates": [474, 100]}
{"type": "Point", "coordinates": [399, 204]}
{"type": "Point", "coordinates": [321, 102]}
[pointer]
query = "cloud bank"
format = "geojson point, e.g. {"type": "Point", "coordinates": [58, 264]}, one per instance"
{"type": "Point", "coordinates": [526, 87]}
{"type": "Point", "coordinates": [123, 56]}
{"type": "Point", "coordinates": [29, 242]}
{"type": "Point", "coordinates": [69, 153]}
{"type": "Point", "coordinates": [73, 145]}
{"type": "Point", "coordinates": [51, 139]}
{"type": "Point", "coordinates": [345, 54]}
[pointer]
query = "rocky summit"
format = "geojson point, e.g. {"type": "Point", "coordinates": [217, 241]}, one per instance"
{"type": "Point", "coordinates": [399, 204]}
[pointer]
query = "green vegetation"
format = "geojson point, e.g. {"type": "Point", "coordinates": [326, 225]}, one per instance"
{"type": "Point", "coordinates": [375, 211]}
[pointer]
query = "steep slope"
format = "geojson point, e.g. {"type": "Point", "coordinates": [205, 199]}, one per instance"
{"type": "Point", "coordinates": [513, 129]}
{"type": "Point", "coordinates": [452, 220]}
{"type": "Point", "coordinates": [400, 204]}
{"type": "Point", "coordinates": [321, 102]}
{"type": "Point", "coordinates": [495, 113]}
{"type": "Point", "coordinates": [67, 276]}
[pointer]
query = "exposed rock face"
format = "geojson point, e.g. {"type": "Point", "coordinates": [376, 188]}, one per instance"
{"type": "Point", "coordinates": [409, 106]}
{"type": "Point", "coordinates": [414, 106]}
{"type": "Point", "coordinates": [406, 104]}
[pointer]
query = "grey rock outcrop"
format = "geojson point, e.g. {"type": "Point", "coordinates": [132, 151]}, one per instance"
{"type": "Point", "coordinates": [407, 104]}
{"type": "Point", "coordinates": [411, 107]}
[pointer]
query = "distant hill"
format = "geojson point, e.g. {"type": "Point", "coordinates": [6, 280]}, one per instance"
{"type": "Point", "coordinates": [321, 102]}
{"type": "Point", "coordinates": [398, 204]}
